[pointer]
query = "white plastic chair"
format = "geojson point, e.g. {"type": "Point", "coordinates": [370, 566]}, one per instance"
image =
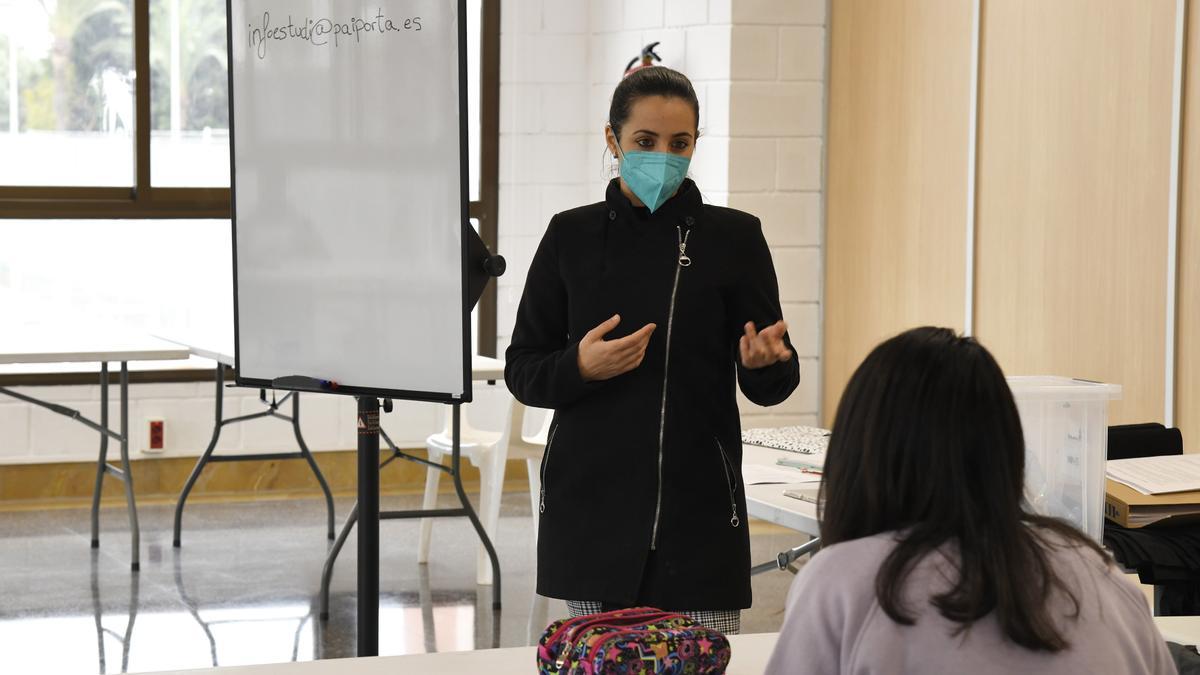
{"type": "Point", "coordinates": [488, 451]}
{"type": "Point", "coordinates": [531, 447]}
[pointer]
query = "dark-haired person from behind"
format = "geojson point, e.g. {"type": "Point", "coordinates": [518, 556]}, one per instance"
{"type": "Point", "coordinates": [638, 314]}
{"type": "Point", "coordinates": [931, 563]}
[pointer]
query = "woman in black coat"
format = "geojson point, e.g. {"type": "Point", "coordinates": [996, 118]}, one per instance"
{"type": "Point", "coordinates": [637, 315]}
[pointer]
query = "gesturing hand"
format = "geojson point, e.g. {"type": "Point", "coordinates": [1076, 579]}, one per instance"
{"type": "Point", "coordinates": [601, 359]}
{"type": "Point", "coordinates": [759, 349]}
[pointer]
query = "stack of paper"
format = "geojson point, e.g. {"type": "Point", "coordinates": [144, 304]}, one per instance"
{"type": "Point", "coordinates": [757, 474]}
{"type": "Point", "coordinates": [1157, 475]}
{"type": "Point", "coordinates": [1130, 508]}
{"type": "Point", "coordinates": [810, 495]}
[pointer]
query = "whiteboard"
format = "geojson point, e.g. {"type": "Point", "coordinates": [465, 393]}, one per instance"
{"type": "Point", "coordinates": [349, 194]}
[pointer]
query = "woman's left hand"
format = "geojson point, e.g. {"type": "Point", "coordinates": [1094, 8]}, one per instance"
{"type": "Point", "coordinates": [759, 349]}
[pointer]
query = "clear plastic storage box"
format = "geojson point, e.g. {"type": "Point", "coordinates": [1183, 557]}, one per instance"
{"type": "Point", "coordinates": [1066, 444]}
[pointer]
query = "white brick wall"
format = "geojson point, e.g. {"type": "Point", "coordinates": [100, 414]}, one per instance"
{"type": "Point", "coordinates": [756, 53]}
{"type": "Point", "coordinates": [776, 126]}
{"type": "Point", "coordinates": [546, 133]}
{"type": "Point", "coordinates": [777, 109]}
{"type": "Point", "coordinates": [15, 421]}
{"type": "Point", "coordinates": [685, 12]}
{"type": "Point", "coordinates": [802, 53]}
{"type": "Point", "coordinates": [800, 164]}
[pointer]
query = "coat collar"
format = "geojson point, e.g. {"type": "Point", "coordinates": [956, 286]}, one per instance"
{"type": "Point", "coordinates": [685, 205]}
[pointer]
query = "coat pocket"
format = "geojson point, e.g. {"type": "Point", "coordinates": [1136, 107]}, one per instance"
{"type": "Point", "coordinates": [545, 467]}
{"type": "Point", "coordinates": [731, 481]}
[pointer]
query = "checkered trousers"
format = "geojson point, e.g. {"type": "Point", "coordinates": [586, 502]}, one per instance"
{"type": "Point", "coordinates": [727, 621]}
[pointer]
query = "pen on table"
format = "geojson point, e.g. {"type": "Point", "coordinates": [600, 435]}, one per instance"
{"type": "Point", "coordinates": [797, 464]}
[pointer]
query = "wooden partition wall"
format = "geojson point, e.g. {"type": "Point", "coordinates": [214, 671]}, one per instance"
{"type": "Point", "coordinates": [897, 188]}
{"type": "Point", "coordinates": [1187, 344]}
{"type": "Point", "coordinates": [1072, 189]}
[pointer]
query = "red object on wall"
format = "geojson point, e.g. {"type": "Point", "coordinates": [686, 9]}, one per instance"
{"type": "Point", "coordinates": [156, 435]}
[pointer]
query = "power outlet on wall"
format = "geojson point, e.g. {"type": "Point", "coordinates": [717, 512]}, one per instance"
{"type": "Point", "coordinates": [157, 437]}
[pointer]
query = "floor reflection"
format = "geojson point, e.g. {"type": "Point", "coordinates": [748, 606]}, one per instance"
{"type": "Point", "coordinates": [105, 634]}
{"type": "Point", "coordinates": [244, 590]}
{"type": "Point", "coordinates": [119, 642]}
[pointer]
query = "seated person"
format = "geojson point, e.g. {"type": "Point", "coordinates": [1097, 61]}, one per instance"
{"type": "Point", "coordinates": [931, 562]}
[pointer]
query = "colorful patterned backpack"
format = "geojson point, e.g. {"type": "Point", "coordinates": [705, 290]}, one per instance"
{"type": "Point", "coordinates": [638, 640]}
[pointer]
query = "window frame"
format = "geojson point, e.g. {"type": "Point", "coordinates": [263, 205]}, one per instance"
{"type": "Point", "coordinates": [144, 201]}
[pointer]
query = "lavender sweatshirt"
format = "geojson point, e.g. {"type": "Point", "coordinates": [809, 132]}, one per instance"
{"type": "Point", "coordinates": [835, 625]}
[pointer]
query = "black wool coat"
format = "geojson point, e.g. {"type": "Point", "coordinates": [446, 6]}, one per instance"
{"type": "Point", "coordinates": [642, 497]}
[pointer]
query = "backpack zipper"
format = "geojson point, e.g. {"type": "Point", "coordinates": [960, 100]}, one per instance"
{"type": "Point", "coordinates": [731, 481]}
{"type": "Point", "coordinates": [546, 465]}
{"type": "Point", "coordinates": [682, 261]}
{"type": "Point", "coordinates": [572, 627]}
{"type": "Point", "coordinates": [568, 635]}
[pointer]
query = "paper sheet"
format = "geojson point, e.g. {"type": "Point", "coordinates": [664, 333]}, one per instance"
{"type": "Point", "coordinates": [757, 474]}
{"type": "Point", "coordinates": [1157, 475]}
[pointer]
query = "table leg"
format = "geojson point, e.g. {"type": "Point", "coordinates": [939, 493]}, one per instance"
{"type": "Point", "coordinates": [135, 531]}
{"type": "Point", "coordinates": [103, 459]}
{"type": "Point", "coordinates": [367, 510]}
{"type": "Point", "coordinates": [312, 464]}
{"type": "Point", "coordinates": [331, 558]}
{"type": "Point", "coordinates": [212, 445]}
{"type": "Point", "coordinates": [784, 560]}
{"type": "Point", "coordinates": [219, 423]}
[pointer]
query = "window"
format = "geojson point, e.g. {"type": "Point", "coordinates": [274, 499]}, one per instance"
{"type": "Point", "coordinates": [68, 75]}
{"type": "Point", "coordinates": [169, 276]}
{"type": "Point", "coordinates": [114, 159]}
{"type": "Point", "coordinates": [189, 94]}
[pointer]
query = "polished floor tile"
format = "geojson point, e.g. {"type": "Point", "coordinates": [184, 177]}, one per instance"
{"type": "Point", "coordinates": [244, 588]}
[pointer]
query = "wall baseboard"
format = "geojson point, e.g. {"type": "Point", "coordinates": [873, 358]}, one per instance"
{"type": "Point", "coordinates": [159, 480]}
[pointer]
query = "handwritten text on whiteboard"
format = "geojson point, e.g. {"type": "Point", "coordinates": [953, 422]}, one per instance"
{"type": "Point", "coordinates": [323, 31]}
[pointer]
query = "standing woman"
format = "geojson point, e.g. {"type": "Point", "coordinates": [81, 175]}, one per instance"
{"type": "Point", "coordinates": [638, 313]}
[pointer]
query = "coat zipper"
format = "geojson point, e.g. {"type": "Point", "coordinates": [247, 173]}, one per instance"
{"type": "Point", "coordinates": [683, 261]}
{"type": "Point", "coordinates": [731, 481]}
{"type": "Point", "coordinates": [546, 465]}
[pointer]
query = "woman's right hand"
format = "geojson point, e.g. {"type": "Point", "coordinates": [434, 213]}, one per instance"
{"type": "Point", "coordinates": [601, 359]}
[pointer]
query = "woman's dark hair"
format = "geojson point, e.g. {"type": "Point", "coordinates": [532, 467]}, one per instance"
{"type": "Point", "coordinates": [653, 81]}
{"type": "Point", "coordinates": [927, 442]}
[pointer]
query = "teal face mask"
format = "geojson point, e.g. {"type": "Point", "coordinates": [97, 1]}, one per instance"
{"type": "Point", "coordinates": [653, 176]}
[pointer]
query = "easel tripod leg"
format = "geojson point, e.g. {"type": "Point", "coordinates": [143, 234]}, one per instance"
{"type": "Point", "coordinates": [312, 464]}
{"type": "Point", "coordinates": [368, 526]}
